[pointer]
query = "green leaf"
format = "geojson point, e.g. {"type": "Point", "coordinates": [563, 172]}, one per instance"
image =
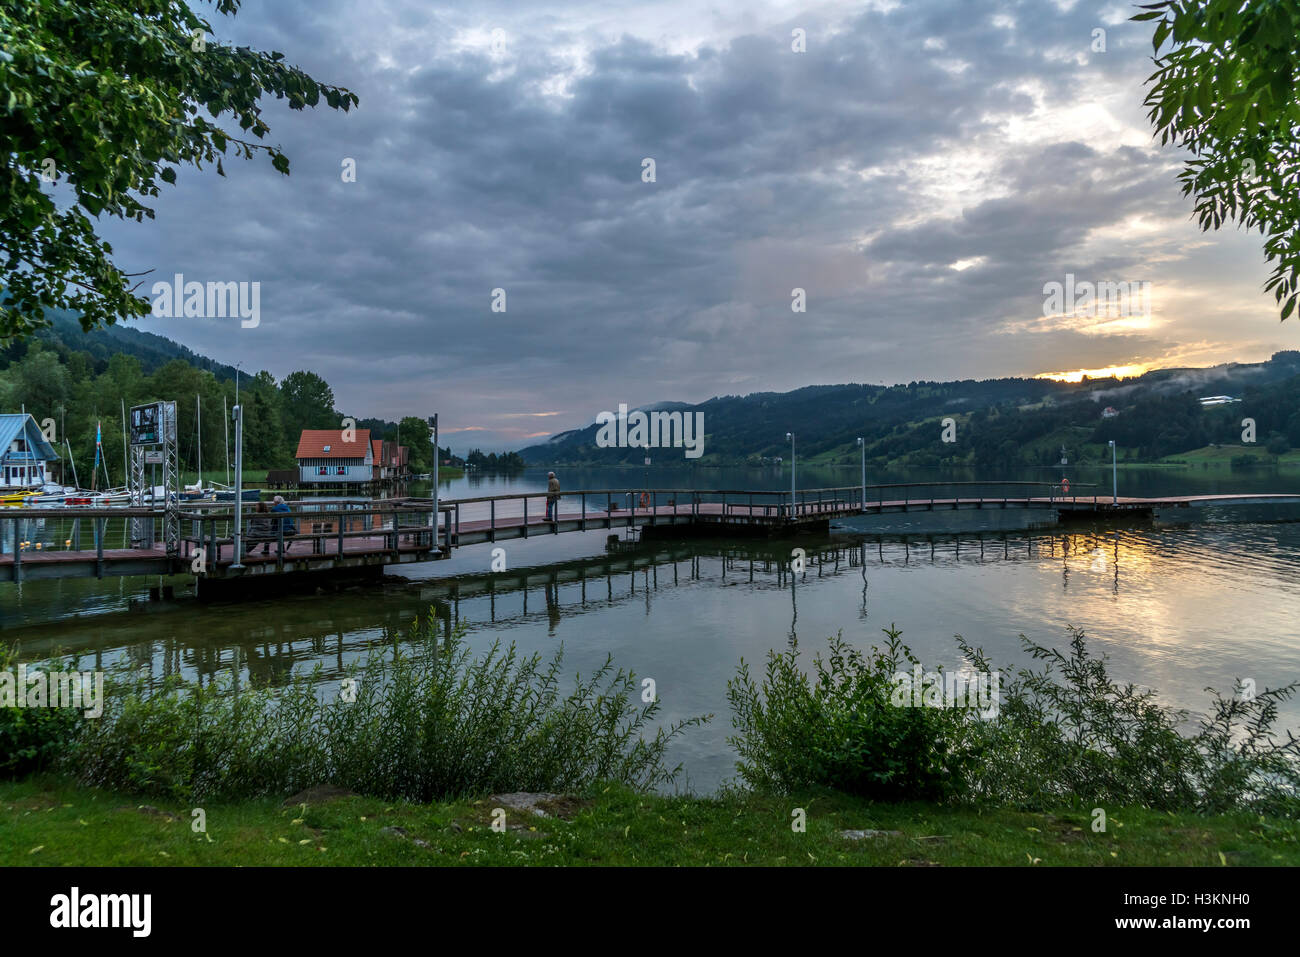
{"type": "Point", "coordinates": [115, 93]}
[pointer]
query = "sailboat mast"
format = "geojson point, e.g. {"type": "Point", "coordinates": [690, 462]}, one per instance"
{"type": "Point", "coordinates": [198, 419]}
{"type": "Point", "coordinates": [126, 469]}
{"type": "Point", "coordinates": [75, 481]}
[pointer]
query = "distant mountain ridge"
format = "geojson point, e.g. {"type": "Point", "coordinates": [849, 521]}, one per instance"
{"type": "Point", "coordinates": [901, 422]}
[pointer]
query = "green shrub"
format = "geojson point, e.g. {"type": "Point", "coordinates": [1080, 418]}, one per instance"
{"type": "Point", "coordinates": [1069, 733]}
{"type": "Point", "coordinates": [1063, 734]}
{"type": "Point", "coordinates": [32, 739]}
{"type": "Point", "coordinates": [841, 730]}
{"type": "Point", "coordinates": [427, 723]}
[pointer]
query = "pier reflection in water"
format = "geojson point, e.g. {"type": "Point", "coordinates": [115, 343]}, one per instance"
{"type": "Point", "coordinates": [1176, 609]}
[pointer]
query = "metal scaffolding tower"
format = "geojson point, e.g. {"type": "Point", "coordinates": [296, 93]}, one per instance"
{"type": "Point", "coordinates": [153, 442]}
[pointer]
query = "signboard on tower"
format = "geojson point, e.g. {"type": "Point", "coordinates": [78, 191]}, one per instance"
{"type": "Point", "coordinates": [147, 424]}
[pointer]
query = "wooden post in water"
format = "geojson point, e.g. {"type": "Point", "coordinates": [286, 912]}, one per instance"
{"type": "Point", "coordinates": [18, 552]}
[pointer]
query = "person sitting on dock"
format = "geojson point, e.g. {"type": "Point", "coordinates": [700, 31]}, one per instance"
{"type": "Point", "coordinates": [288, 524]}
{"type": "Point", "coordinates": [552, 497]}
{"type": "Point", "coordinates": [261, 528]}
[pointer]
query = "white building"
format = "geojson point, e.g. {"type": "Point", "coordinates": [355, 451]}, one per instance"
{"type": "Point", "coordinates": [25, 455]}
{"type": "Point", "coordinates": [325, 458]}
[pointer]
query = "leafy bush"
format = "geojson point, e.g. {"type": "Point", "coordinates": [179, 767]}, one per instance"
{"type": "Point", "coordinates": [1064, 734]}
{"type": "Point", "coordinates": [426, 724]}
{"type": "Point", "coordinates": [1070, 733]}
{"type": "Point", "coordinates": [32, 739]}
{"type": "Point", "coordinates": [841, 729]}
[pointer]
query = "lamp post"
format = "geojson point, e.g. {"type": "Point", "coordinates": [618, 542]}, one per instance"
{"type": "Point", "coordinates": [1114, 475]}
{"type": "Point", "coordinates": [433, 437]}
{"type": "Point", "coordinates": [238, 413]}
{"type": "Point", "coordinates": [863, 446]}
{"type": "Point", "coordinates": [790, 436]}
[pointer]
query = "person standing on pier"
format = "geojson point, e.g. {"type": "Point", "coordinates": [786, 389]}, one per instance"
{"type": "Point", "coordinates": [552, 497]}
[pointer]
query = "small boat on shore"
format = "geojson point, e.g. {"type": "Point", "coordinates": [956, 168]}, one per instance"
{"type": "Point", "coordinates": [228, 495]}
{"type": "Point", "coordinates": [19, 498]}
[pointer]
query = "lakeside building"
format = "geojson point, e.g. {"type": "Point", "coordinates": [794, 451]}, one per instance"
{"type": "Point", "coordinates": [25, 455]}
{"type": "Point", "coordinates": [324, 458]}
{"type": "Point", "coordinates": [392, 461]}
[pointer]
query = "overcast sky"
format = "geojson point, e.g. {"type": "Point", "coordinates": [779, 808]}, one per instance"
{"type": "Point", "coordinates": [921, 170]}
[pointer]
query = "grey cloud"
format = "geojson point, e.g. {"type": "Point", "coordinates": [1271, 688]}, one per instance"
{"type": "Point", "coordinates": [470, 177]}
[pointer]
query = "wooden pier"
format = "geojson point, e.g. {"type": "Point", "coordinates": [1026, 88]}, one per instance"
{"type": "Point", "coordinates": [355, 537]}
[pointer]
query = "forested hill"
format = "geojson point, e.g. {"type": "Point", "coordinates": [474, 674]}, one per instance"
{"type": "Point", "coordinates": [997, 421]}
{"type": "Point", "coordinates": [83, 380]}
{"type": "Point", "coordinates": [65, 336]}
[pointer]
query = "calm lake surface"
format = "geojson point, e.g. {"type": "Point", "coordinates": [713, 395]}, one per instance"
{"type": "Point", "coordinates": [1176, 608]}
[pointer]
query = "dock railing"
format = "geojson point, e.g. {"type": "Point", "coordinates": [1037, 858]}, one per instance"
{"type": "Point", "coordinates": [320, 529]}
{"type": "Point", "coordinates": [340, 526]}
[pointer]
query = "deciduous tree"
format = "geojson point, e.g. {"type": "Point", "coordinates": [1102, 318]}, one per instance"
{"type": "Point", "coordinates": [110, 98]}
{"type": "Point", "coordinates": [1225, 89]}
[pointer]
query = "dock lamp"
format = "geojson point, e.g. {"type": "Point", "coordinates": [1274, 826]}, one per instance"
{"type": "Point", "coordinates": [1114, 475]}
{"type": "Point", "coordinates": [433, 438]}
{"type": "Point", "coordinates": [863, 446]}
{"type": "Point", "coordinates": [237, 413]}
{"type": "Point", "coordinates": [790, 436]}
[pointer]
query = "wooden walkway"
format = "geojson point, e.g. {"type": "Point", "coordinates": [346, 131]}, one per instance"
{"type": "Point", "coordinates": [345, 536]}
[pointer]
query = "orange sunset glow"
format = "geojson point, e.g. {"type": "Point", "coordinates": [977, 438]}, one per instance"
{"type": "Point", "coordinates": [1119, 372]}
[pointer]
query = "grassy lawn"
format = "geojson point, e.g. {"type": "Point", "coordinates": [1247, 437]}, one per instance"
{"type": "Point", "coordinates": [47, 821]}
{"type": "Point", "coordinates": [1224, 454]}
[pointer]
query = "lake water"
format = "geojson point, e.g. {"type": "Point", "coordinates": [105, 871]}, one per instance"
{"type": "Point", "coordinates": [1176, 608]}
